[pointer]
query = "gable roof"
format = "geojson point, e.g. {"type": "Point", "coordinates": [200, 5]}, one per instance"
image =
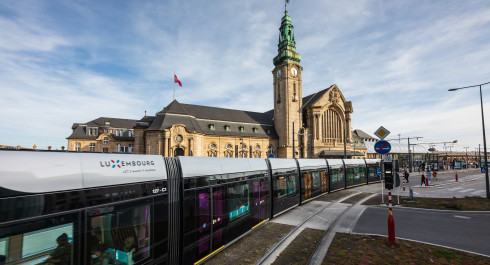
{"type": "Point", "coordinates": [313, 98]}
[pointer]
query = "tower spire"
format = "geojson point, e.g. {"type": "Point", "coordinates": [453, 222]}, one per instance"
{"type": "Point", "coordinates": [287, 44]}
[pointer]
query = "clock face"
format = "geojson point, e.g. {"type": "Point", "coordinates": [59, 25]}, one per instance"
{"type": "Point", "coordinates": [278, 74]}
{"type": "Point", "coordinates": [294, 72]}
{"type": "Point", "coordinates": [179, 138]}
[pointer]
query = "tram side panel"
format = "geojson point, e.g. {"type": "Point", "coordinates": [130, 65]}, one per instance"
{"type": "Point", "coordinates": [355, 170]}
{"type": "Point", "coordinates": [372, 166]}
{"type": "Point", "coordinates": [121, 220]}
{"type": "Point", "coordinates": [313, 178]}
{"type": "Point", "coordinates": [223, 199]}
{"type": "Point", "coordinates": [285, 185]}
{"type": "Point", "coordinates": [337, 174]}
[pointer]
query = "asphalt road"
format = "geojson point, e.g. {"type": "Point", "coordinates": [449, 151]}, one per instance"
{"type": "Point", "coordinates": [462, 230]}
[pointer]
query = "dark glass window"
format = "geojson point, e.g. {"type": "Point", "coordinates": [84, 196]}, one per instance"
{"type": "Point", "coordinates": [285, 185]}
{"type": "Point", "coordinates": [42, 241]}
{"type": "Point", "coordinates": [238, 200]}
{"type": "Point", "coordinates": [337, 175]}
{"type": "Point", "coordinates": [120, 234]}
{"type": "Point", "coordinates": [316, 180]}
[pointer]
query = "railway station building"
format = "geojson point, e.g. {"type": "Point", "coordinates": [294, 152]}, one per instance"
{"type": "Point", "coordinates": [312, 126]}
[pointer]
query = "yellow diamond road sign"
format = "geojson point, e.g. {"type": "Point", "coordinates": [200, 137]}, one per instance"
{"type": "Point", "coordinates": [382, 132]}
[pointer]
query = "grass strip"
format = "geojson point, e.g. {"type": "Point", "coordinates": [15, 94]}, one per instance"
{"type": "Point", "coordinates": [252, 247]}
{"type": "Point", "coordinates": [367, 249]}
{"type": "Point", "coordinates": [300, 250]}
{"type": "Point", "coordinates": [461, 204]}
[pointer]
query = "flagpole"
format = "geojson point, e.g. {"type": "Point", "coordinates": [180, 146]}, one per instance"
{"type": "Point", "coordinates": [174, 84]}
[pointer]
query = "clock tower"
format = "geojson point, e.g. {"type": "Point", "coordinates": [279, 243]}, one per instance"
{"type": "Point", "coordinates": [287, 91]}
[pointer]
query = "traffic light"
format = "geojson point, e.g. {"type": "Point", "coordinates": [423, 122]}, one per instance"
{"type": "Point", "coordinates": [388, 173]}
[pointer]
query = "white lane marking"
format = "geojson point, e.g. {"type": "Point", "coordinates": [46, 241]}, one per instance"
{"type": "Point", "coordinates": [478, 192]}
{"type": "Point", "coordinates": [453, 189]}
{"type": "Point", "coordinates": [466, 190]}
{"type": "Point", "coordinates": [462, 217]}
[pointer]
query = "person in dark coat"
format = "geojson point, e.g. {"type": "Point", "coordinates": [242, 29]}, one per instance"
{"type": "Point", "coordinates": [422, 180]}
{"type": "Point", "coordinates": [61, 254]}
{"type": "Point", "coordinates": [406, 175]}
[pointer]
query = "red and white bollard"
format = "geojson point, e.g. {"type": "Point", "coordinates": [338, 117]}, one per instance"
{"type": "Point", "coordinates": [391, 222]}
{"type": "Point", "coordinates": [404, 180]}
{"type": "Point", "coordinates": [456, 176]}
{"type": "Point", "coordinates": [427, 178]}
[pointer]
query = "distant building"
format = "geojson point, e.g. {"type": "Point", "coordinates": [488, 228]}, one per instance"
{"type": "Point", "coordinates": [103, 135]}
{"type": "Point", "coordinates": [318, 125]}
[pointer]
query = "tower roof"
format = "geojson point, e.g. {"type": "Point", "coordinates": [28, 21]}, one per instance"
{"type": "Point", "coordinates": [287, 44]}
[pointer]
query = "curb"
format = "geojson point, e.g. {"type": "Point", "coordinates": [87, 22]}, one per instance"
{"type": "Point", "coordinates": [429, 210]}
{"type": "Point", "coordinates": [433, 244]}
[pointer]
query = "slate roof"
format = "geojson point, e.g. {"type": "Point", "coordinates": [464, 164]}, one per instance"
{"type": "Point", "coordinates": [363, 135]}
{"type": "Point", "coordinates": [80, 129]}
{"type": "Point", "coordinates": [198, 118]}
{"type": "Point", "coordinates": [313, 98]}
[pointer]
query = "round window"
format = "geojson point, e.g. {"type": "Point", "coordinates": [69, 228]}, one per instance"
{"type": "Point", "coordinates": [213, 146]}
{"type": "Point", "coordinates": [228, 146]}
{"type": "Point", "coordinates": [179, 138]}
{"type": "Point", "coordinates": [257, 147]}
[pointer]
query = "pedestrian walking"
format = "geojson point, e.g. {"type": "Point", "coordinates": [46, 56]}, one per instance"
{"type": "Point", "coordinates": [422, 180]}
{"type": "Point", "coordinates": [434, 175]}
{"type": "Point", "coordinates": [406, 175]}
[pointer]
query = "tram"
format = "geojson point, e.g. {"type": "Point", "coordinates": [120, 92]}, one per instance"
{"type": "Point", "coordinates": [82, 208]}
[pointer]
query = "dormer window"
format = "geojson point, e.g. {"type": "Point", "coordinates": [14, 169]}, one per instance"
{"type": "Point", "coordinates": [107, 123]}
{"type": "Point", "coordinates": [211, 127]}
{"type": "Point", "coordinates": [92, 131]}
{"type": "Point", "coordinates": [242, 129]}
{"type": "Point", "coordinates": [255, 130]}
{"type": "Point", "coordinates": [268, 131]}
{"type": "Point", "coordinates": [227, 128]}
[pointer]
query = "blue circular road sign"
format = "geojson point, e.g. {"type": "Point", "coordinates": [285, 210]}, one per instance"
{"type": "Point", "coordinates": [379, 172]}
{"type": "Point", "coordinates": [382, 147]}
{"type": "Point", "coordinates": [271, 156]}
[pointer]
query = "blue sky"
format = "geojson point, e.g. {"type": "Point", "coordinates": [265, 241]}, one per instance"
{"type": "Point", "coordinates": [63, 62]}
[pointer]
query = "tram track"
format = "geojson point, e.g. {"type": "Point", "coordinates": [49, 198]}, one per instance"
{"type": "Point", "coordinates": [276, 250]}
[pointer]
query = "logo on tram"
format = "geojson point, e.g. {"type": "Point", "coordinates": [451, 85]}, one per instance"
{"type": "Point", "coordinates": [120, 163]}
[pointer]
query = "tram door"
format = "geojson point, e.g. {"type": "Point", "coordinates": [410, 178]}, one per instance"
{"type": "Point", "coordinates": [218, 215]}
{"type": "Point", "coordinates": [259, 200]}
{"type": "Point", "coordinates": [211, 223]}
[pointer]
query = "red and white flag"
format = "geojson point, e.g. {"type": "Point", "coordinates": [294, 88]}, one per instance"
{"type": "Point", "coordinates": [176, 80]}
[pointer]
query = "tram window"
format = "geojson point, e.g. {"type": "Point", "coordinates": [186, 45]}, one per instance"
{"type": "Point", "coordinates": [238, 200]}
{"type": "Point", "coordinates": [35, 242]}
{"type": "Point", "coordinates": [123, 234]}
{"type": "Point", "coordinates": [291, 184]}
{"type": "Point", "coordinates": [281, 187]}
{"type": "Point", "coordinates": [337, 175]}
{"type": "Point", "coordinates": [39, 242]}
{"type": "Point", "coordinates": [316, 180]}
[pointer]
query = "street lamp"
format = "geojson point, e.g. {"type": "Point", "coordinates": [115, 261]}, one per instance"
{"type": "Point", "coordinates": [484, 137]}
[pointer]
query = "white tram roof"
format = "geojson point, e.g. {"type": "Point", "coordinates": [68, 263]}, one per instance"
{"type": "Point", "coordinates": [27, 171]}
{"type": "Point", "coordinates": [193, 166]}
{"type": "Point", "coordinates": [304, 162]}
{"type": "Point", "coordinates": [335, 162]}
{"type": "Point", "coordinates": [372, 161]}
{"type": "Point", "coordinates": [354, 162]}
{"type": "Point", "coordinates": [281, 163]}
